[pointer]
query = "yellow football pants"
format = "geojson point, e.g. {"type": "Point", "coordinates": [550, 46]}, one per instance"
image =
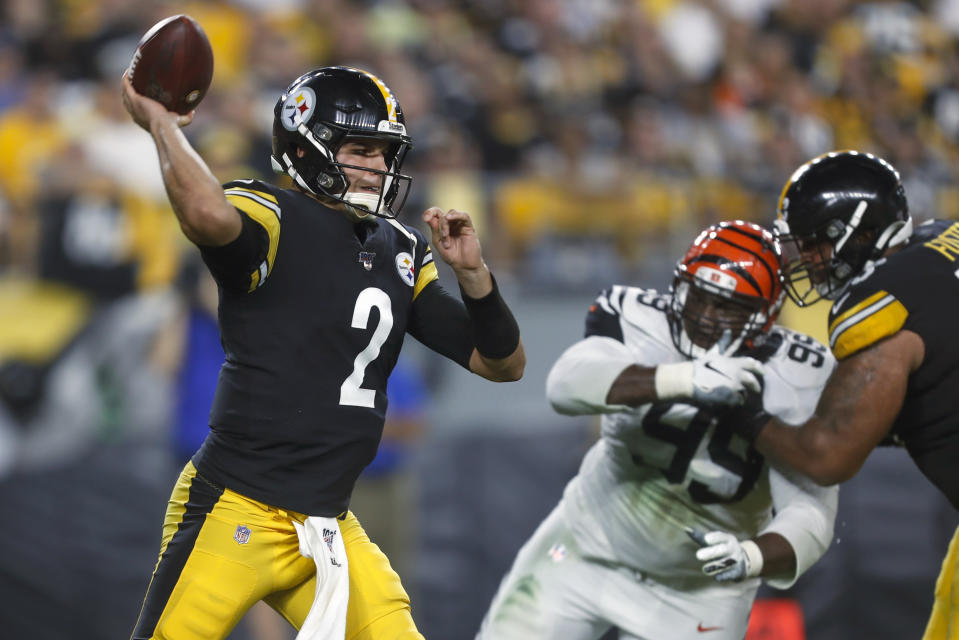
{"type": "Point", "coordinates": [222, 552]}
{"type": "Point", "coordinates": [944, 621]}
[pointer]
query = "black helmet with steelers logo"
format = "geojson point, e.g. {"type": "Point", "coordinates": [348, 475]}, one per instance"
{"type": "Point", "coordinates": [836, 213]}
{"type": "Point", "coordinates": [321, 110]}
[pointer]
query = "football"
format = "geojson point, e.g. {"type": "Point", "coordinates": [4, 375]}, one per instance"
{"type": "Point", "coordinates": [173, 64]}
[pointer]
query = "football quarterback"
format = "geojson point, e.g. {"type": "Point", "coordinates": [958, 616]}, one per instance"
{"type": "Point", "coordinates": [318, 286]}
{"type": "Point", "coordinates": [844, 220]}
{"type": "Point", "coordinates": [672, 519]}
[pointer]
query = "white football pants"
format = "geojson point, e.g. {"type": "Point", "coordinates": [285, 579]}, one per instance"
{"type": "Point", "coordinates": [553, 592]}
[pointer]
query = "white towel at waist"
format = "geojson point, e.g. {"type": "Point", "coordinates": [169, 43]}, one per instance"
{"type": "Point", "coordinates": [320, 539]}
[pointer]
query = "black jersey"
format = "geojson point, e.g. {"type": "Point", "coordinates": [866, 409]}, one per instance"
{"type": "Point", "coordinates": [312, 313]}
{"type": "Point", "coordinates": [914, 289]}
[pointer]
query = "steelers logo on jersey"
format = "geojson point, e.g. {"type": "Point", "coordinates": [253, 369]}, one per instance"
{"type": "Point", "coordinates": [404, 266]}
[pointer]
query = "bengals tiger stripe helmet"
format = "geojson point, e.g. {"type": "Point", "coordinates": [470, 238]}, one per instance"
{"type": "Point", "coordinates": [728, 287]}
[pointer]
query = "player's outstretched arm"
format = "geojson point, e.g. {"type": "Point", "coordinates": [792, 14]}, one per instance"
{"type": "Point", "coordinates": [499, 354]}
{"type": "Point", "coordinates": [205, 216]}
{"type": "Point", "coordinates": [856, 410]}
{"type": "Point", "coordinates": [599, 375]}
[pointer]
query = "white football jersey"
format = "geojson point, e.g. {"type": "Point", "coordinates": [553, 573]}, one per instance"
{"type": "Point", "coordinates": [669, 465]}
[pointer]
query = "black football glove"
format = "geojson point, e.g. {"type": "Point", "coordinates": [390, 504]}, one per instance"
{"type": "Point", "coordinates": [750, 418]}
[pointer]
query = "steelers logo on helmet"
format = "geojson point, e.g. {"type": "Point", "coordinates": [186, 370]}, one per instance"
{"type": "Point", "coordinates": [324, 110]}
{"type": "Point", "coordinates": [297, 108]}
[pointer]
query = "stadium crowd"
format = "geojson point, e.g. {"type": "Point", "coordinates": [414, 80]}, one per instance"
{"type": "Point", "coordinates": [622, 120]}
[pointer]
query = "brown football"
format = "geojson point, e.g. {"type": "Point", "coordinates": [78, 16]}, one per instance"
{"type": "Point", "coordinates": [173, 63]}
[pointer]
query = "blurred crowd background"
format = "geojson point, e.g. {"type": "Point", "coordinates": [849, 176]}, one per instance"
{"type": "Point", "coordinates": [589, 139]}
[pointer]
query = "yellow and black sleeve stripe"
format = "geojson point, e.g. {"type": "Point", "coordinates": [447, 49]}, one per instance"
{"type": "Point", "coordinates": [263, 209]}
{"type": "Point", "coordinates": [425, 274]}
{"type": "Point", "coordinates": [878, 316]}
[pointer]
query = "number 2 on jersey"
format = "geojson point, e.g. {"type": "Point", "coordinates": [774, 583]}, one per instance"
{"type": "Point", "coordinates": [351, 393]}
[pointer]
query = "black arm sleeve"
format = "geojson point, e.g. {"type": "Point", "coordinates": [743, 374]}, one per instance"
{"type": "Point", "coordinates": [232, 264]}
{"type": "Point", "coordinates": [441, 322]}
{"type": "Point", "coordinates": [494, 329]}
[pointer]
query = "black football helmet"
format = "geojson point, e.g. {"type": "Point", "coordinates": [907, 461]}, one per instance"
{"type": "Point", "coordinates": [836, 213]}
{"type": "Point", "coordinates": [317, 113]}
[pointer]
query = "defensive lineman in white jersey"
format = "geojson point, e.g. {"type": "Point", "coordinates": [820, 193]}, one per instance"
{"type": "Point", "coordinates": [668, 527]}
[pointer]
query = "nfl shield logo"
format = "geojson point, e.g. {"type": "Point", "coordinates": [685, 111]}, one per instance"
{"type": "Point", "coordinates": [242, 535]}
{"type": "Point", "coordinates": [557, 552]}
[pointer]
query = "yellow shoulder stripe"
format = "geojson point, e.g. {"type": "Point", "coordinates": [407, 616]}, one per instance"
{"type": "Point", "coordinates": [878, 316]}
{"type": "Point", "coordinates": [263, 209]}
{"type": "Point", "coordinates": [425, 275]}
{"type": "Point", "coordinates": [254, 194]}
{"type": "Point", "coordinates": [868, 302]}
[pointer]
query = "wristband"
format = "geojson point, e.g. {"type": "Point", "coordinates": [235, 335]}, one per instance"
{"type": "Point", "coordinates": [674, 380]}
{"type": "Point", "coordinates": [754, 558]}
{"type": "Point", "coordinates": [494, 329]}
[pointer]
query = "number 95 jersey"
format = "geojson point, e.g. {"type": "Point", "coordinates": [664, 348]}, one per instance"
{"type": "Point", "coordinates": [668, 465]}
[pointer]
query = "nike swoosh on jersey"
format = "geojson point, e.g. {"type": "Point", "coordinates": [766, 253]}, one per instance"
{"type": "Point", "coordinates": [701, 628]}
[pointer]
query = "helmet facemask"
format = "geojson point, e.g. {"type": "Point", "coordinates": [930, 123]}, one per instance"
{"type": "Point", "coordinates": [320, 173]}
{"type": "Point", "coordinates": [703, 315]}
{"type": "Point", "coordinates": [821, 264]}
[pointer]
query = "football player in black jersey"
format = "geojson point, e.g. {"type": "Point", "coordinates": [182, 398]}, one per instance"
{"type": "Point", "coordinates": [318, 286]}
{"type": "Point", "coordinates": [843, 218]}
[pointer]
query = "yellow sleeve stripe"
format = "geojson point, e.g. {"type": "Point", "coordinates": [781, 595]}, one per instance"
{"type": "Point", "coordinates": [266, 199]}
{"type": "Point", "coordinates": [427, 274]}
{"type": "Point", "coordinates": [855, 310]}
{"type": "Point", "coordinates": [262, 208]}
{"type": "Point", "coordinates": [868, 302]}
{"type": "Point", "coordinates": [873, 319]}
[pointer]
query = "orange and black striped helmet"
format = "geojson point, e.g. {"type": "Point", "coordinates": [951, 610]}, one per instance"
{"type": "Point", "coordinates": [727, 288]}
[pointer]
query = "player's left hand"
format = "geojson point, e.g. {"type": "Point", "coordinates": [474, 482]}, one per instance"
{"type": "Point", "coordinates": [454, 238]}
{"type": "Point", "coordinates": [727, 559]}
